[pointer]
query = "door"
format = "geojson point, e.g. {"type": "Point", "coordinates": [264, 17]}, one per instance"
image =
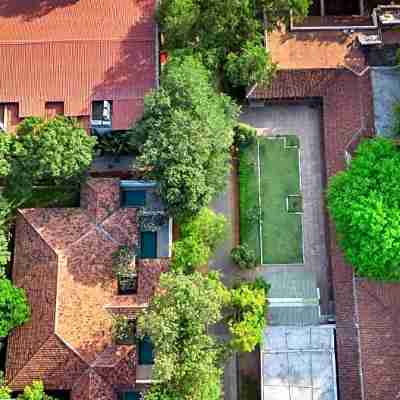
{"type": "Point", "coordinates": [148, 244]}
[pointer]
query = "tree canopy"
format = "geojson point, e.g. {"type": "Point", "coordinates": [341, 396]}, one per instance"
{"type": "Point", "coordinates": [35, 391]}
{"type": "Point", "coordinates": [14, 307]}
{"type": "Point", "coordinates": [364, 202]}
{"type": "Point", "coordinates": [187, 358]}
{"type": "Point", "coordinates": [198, 240]}
{"type": "Point", "coordinates": [185, 135]}
{"type": "Point", "coordinates": [228, 34]}
{"type": "Point", "coordinates": [52, 151]}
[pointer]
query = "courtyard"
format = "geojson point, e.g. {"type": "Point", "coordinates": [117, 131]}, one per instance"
{"type": "Point", "coordinates": [270, 200]}
{"type": "Point", "coordinates": [304, 122]}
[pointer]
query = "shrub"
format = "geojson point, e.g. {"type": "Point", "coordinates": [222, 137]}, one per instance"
{"type": "Point", "coordinates": [244, 134]}
{"type": "Point", "coordinates": [189, 254]}
{"type": "Point", "coordinates": [364, 202]}
{"type": "Point", "coordinates": [14, 307]}
{"type": "Point", "coordinates": [248, 320]}
{"type": "Point", "coordinates": [244, 257]}
{"type": "Point", "coordinates": [199, 239]}
{"type": "Point", "coordinates": [207, 227]}
{"type": "Point", "coordinates": [123, 330]}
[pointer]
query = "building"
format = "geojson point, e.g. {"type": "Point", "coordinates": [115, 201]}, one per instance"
{"type": "Point", "coordinates": [64, 260]}
{"type": "Point", "coordinates": [89, 59]}
{"type": "Point", "coordinates": [328, 62]}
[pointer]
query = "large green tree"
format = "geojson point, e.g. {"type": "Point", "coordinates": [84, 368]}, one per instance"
{"type": "Point", "coordinates": [228, 34]}
{"type": "Point", "coordinates": [55, 150]}
{"type": "Point", "coordinates": [364, 202]}
{"type": "Point", "coordinates": [14, 307]}
{"type": "Point", "coordinates": [185, 135]}
{"type": "Point", "coordinates": [187, 358]}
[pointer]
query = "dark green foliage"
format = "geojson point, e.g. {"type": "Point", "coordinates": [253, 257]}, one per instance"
{"type": "Point", "coordinates": [244, 257]}
{"type": "Point", "coordinates": [244, 134]}
{"type": "Point", "coordinates": [186, 133]}
{"type": "Point", "coordinates": [226, 34]}
{"type": "Point", "coordinates": [364, 202]}
{"type": "Point", "coordinates": [14, 308]}
{"type": "Point", "coordinates": [115, 142]}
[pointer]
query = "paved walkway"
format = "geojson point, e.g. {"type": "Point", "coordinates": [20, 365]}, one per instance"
{"type": "Point", "coordinates": [305, 122]}
{"type": "Point", "coordinates": [227, 204]}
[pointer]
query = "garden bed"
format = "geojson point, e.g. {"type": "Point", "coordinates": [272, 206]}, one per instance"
{"type": "Point", "coordinates": [270, 200]}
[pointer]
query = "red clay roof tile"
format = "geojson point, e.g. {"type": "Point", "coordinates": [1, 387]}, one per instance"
{"type": "Point", "coordinates": [63, 259]}
{"type": "Point", "coordinates": [76, 52]}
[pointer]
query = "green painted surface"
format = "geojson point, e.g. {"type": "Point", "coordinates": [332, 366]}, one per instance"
{"type": "Point", "coordinates": [280, 177]}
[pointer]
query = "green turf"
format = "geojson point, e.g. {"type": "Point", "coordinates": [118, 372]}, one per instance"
{"type": "Point", "coordinates": [280, 177]}
{"type": "Point", "coordinates": [248, 181]}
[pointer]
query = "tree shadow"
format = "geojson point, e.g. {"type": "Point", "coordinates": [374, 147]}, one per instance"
{"type": "Point", "coordinates": [134, 72]}
{"type": "Point", "coordinates": [31, 9]}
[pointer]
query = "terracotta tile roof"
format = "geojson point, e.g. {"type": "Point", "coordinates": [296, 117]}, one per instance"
{"type": "Point", "coordinates": [312, 50]}
{"type": "Point", "coordinates": [76, 52]}
{"type": "Point", "coordinates": [347, 110]}
{"type": "Point", "coordinates": [378, 316]}
{"type": "Point", "coordinates": [63, 259]}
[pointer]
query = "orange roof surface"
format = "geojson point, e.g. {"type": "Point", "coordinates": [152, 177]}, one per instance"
{"type": "Point", "coordinates": [76, 52]}
{"type": "Point", "coordinates": [313, 50]}
{"type": "Point", "coordinates": [63, 259]}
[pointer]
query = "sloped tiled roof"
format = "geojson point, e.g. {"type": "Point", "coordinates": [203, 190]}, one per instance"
{"type": "Point", "coordinates": [76, 52]}
{"type": "Point", "coordinates": [63, 259]}
{"type": "Point", "coordinates": [378, 317]}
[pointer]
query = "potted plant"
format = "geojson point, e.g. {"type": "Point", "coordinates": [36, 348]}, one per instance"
{"type": "Point", "coordinates": [123, 330]}
{"type": "Point", "coordinates": [124, 268]}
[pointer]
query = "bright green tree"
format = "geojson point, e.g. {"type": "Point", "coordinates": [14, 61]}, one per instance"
{"type": "Point", "coordinates": [228, 34]}
{"type": "Point", "coordinates": [52, 151]}
{"type": "Point", "coordinates": [184, 137]}
{"type": "Point", "coordinates": [248, 319]}
{"type": "Point", "coordinates": [35, 391]}
{"type": "Point", "coordinates": [14, 307]}
{"type": "Point", "coordinates": [187, 358]}
{"type": "Point", "coordinates": [199, 239]}
{"type": "Point", "coordinates": [364, 202]}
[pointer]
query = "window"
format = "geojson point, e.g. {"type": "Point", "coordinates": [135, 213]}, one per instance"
{"type": "Point", "coordinates": [102, 113]}
{"type": "Point", "coordinates": [2, 117]}
{"type": "Point", "coordinates": [127, 283]}
{"type": "Point", "coordinates": [146, 351]}
{"type": "Point", "coordinates": [148, 244]}
{"type": "Point", "coordinates": [133, 198]}
{"type": "Point", "coordinates": [130, 395]}
{"type": "Point", "coordinates": [124, 330]}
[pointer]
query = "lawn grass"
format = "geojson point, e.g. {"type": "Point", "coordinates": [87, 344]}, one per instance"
{"type": "Point", "coordinates": [248, 194]}
{"type": "Point", "coordinates": [280, 177]}
{"type": "Point", "coordinates": [282, 237]}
